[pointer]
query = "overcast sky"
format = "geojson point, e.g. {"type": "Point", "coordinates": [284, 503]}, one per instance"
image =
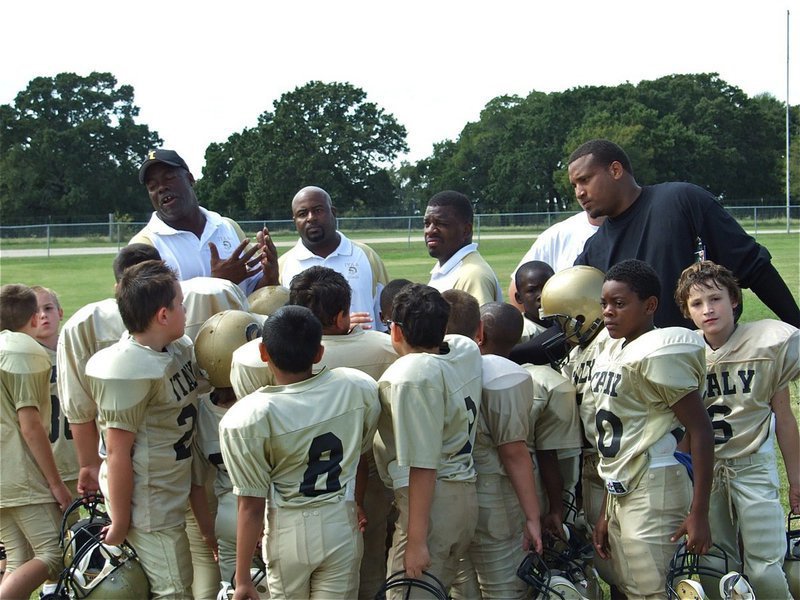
{"type": "Point", "coordinates": [204, 70]}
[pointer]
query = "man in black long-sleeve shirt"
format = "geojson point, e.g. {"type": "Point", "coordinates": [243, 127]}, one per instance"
{"type": "Point", "coordinates": [669, 226]}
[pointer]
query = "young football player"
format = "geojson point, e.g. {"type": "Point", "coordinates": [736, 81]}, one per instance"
{"type": "Point", "coordinates": [387, 296]}
{"type": "Point", "coordinates": [32, 494]}
{"type": "Point", "coordinates": [508, 507]}
{"type": "Point", "coordinates": [572, 298]}
{"type": "Point", "coordinates": [215, 342]}
{"type": "Point", "coordinates": [50, 315]}
{"type": "Point", "coordinates": [145, 387]}
{"type": "Point", "coordinates": [529, 279]}
{"type": "Point", "coordinates": [749, 368]}
{"type": "Point", "coordinates": [92, 328]}
{"type": "Point", "coordinates": [430, 398]}
{"type": "Point", "coordinates": [327, 294]}
{"type": "Point", "coordinates": [298, 443]}
{"type": "Point", "coordinates": [644, 383]}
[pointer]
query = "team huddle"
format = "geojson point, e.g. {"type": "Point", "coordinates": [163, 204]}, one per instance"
{"type": "Point", "coordinates": [234, 425]}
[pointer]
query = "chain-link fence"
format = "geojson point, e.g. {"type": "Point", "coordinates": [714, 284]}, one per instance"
{"type": "Point", "coordinates": [115, 234]}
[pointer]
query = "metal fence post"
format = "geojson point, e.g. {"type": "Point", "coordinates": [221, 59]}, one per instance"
{"type": "Point", "coordinates": [48, 240]}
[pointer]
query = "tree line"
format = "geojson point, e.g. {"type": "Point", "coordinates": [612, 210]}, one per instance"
{"type": "Point", "coordinates": [70, 145]}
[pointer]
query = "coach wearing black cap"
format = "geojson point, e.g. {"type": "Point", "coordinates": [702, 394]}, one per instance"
{"type": "Point", "coordinates": [194, 241]}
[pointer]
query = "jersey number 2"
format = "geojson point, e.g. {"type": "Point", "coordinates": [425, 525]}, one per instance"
{"type": "Point", "coordinates": [324, 458]}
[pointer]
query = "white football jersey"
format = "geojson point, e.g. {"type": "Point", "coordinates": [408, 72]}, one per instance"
{"type": "Point", "coordinates": [154, 395]}
{"type": "Point", "coordinates": [429, 409]}
{"type": "Point", "coordinates": [203, 297]}
{"type": "Point", "coordinates": [206, 448]}
{"type": "Point", "coordinates": [369, 351]}
{"type": "Point", "coordinates": [24, 382]}
{"type": "Point", "coordinates": [95, 326]}
{"type": "Point", "coordinates": [64, 452]}
{"type": "Point", "coordinates": [530, 329]}
{"type": "Point", "coordinates": [578, 369]}
{"type": "Point", "coordinates": [302, 440]}
{"type": "Point", "coordinates": [554, 422]}
{"type": "Point", "coordinates": [635, 386]}
{"type": "Point", "coordinates": [758, 359]}
{"type": "Point", "coordinates": [506, 400]}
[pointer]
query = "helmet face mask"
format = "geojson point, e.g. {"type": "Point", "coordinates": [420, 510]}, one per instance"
{"type": "Point", "coordinates": [572, 298]}
{"type": "Point", "coordinates": [93, 568]}
{"type": "Point", "coordinates": [401, 584]}
{"type": "Point", "coordinates": [687, 570]}
{"type": "Point", "coordinates": [553, 583]}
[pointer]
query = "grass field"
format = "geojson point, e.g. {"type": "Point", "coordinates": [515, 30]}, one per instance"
{"type": "Point", "coordinates": [82, 279]}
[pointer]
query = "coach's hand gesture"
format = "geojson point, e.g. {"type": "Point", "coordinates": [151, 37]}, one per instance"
{"type": "Point", "coordinates": [240, 265]}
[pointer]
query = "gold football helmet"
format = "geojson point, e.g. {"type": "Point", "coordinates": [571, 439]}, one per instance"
{"type": "Point", "coordinates": [218, 338]}
{"type": "Point", "coordinates": [91, 567]}
{"type": "Point", "coordinates": [572, 298]}
{"type": "Point", "coordinates": [267, 300]}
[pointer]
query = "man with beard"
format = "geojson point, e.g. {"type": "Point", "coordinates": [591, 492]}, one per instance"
{"type": "Point", "coordinates": [321, 244]}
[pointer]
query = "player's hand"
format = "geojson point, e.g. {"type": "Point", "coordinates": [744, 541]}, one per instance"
{"type": "Point", "coordinates": [360, 318]}
{"type": "Point", "coordinates": [361, 518]}
{"type": "Point", "coordinates": [245, 591]}
{"type": "Point", "coordinates": [600, 538]}
{"type": "Point", "coordinates": [697, 532]}
{"type": "Point", "coordinates": [532, 538]}
{"type": "Point", "coordinates": [269, 258]}
{"type": "Point", "coordinates": [211, 541]}
{"type": "Point", "coordinates": [114, 534]}
{"type": "Point", "coordinates": [62, 495]}
{"type": "Point", "coordinates": [88, 481]}
{"type": "Point", "coordinates": [551, 523]}
{"type": "Point", "coordinates": [794, 499]}
{"type": "Point", "coordinates": [238, 266]}
{"type": "Point", "coordinates": [416, 559]}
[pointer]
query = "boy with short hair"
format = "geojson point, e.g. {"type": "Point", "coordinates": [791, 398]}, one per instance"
{"type": "Point", "coordinates": [430, 399]}
{"type": "Point", "coordinates": [749, 368]}
{"type": "Point", "coordinates": [644, 382]}
{"type": "Point", "coordinates": [32, 494]}
{"type": "Point", "coordinates": [93, 327]}
{"type": "Point", "coordinates": [529, 280]}
{"type": "Point", "coordinates": [145, 387]}
{"type": "Point", "coordinates": [298, 443]}
{"type": "Point", "coordinates": [508, 507]}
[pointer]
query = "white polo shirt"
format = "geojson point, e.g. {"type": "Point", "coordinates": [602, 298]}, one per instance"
{"type": "Point", "coordinates": [359, 264]}
{"type": "Point", "coordinates": [189, 256]}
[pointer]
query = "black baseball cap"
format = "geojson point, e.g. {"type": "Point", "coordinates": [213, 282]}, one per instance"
{"type": "Point", "coordinates": [168, 157]}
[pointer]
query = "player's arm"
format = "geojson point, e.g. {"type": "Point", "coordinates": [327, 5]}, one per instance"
{"type": "Point", "coordinates": [518, 465]}
{"type": "Point", "coordinates": [694, 417]}
{"type": "Point", "coordinates": [421, 483]}
{"type": "Point", "coordinates": [553, 483]}
{"type": "Point", "coordinates": [362, 476]}
{"type": "Point", "coordinates": [249, 528]}
{"type": "Point", "coordinates": [600, 531]}
{"type": "Point", "coordinates": [119, 447]}
{"type": "Point", "coordinates": [38, 443]}
{"type": "Point", "coordinates": [87, 439]}
{"type": "Point", "coordinates": [202, 513]}
{"type": "Point", "coordinates": [789, 443]}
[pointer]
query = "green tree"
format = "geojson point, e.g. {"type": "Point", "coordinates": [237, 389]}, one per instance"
{"type": "Point", "coordinates": [324, 134]}
{"type": "Point", "coordinates": [70, 145]}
